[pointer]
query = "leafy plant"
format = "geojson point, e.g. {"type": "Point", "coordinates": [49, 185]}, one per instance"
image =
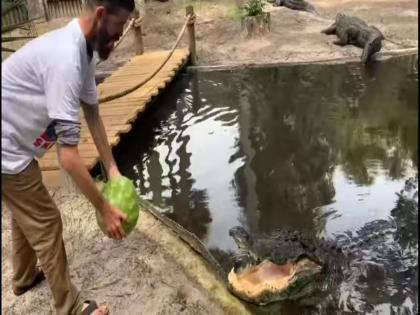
{"type": "Point", "coordinates": [8, 6]}
{"type": "Point", "coordinates": [254, 7]}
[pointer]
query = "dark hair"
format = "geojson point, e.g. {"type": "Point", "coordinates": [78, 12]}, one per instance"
{"type": "Point", "coordinates": [112, 5]}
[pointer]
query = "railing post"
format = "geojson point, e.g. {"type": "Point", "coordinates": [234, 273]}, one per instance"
{"type": "Point", "coordinates": [137, 33]}
{"type": "Point", "coordinates": [44, 7]}
{"type": "Point", "coordinates": [191, 35]}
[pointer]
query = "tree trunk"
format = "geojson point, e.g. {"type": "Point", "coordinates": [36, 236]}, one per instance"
{"type": "Point", "coordinates": [255, 26]}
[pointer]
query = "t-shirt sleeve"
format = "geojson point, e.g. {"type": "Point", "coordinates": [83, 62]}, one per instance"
{"type": "Point", "coordinates": [63, 84]}
{"type": "Point", "coordinates": [89, 94]}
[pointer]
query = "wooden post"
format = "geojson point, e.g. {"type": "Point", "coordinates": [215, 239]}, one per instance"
{"type": "Point", "coordinates": [138, 34]}
{"type": "Point", "coordinates": [255, 26]}
{"type": "Point", "coordinates": [44, 7]}
{"type": "Point", "coordinates": [191, 36]}
{"type": "Point", "coordinates": [195, 91]}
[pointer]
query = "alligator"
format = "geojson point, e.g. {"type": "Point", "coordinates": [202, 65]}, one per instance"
{"type": "Point", "coordinates": [285, 265]}
{"type": "Point", "coordinates": [352, 30]}
{"type": "Point", "coordinates": [300, 5]}
{"type": "Point", "coordinates": [380, 264]}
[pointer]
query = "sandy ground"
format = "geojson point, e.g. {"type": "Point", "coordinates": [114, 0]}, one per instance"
{"type": "Point", "coordinates": [295, 36]}
{"type": "Point", "coordinates": [136, 276]}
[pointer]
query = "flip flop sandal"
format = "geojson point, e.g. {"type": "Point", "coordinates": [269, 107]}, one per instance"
{"type": "Point", "coordinates": [90, 308]}
{"type": "Point", "coordinates": [38, 279]}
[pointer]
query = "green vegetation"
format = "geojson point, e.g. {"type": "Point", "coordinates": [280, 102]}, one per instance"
{"type": "Point", "coordinates": [254, 7]}
{"type": "Point", "coordinates": [251, 8]}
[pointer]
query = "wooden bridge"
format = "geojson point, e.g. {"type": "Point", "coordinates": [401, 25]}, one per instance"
{"type": "Point", "coordinates": [118, 114]}
{"type": "Point", "coordinates": [124, 94]}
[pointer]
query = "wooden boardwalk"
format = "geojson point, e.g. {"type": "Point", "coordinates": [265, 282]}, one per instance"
{"type": "Point", "coordinates": [118, 114]}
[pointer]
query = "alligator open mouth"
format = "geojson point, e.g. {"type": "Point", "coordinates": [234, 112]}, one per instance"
{"type": "Point", "coordinates": [267, 282]}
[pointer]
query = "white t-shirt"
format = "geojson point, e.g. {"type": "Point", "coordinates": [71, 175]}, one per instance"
{"type": "Point", "coordinates": [43, 81]}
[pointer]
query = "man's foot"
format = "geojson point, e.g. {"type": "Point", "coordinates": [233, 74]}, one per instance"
{"type": "Point", "coordinates": [39, 277]}
{"type": "Point", "coordinates": [91, 308]}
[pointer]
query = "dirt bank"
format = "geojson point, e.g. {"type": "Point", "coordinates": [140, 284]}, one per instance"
{"type": "Point", "coordinates": [295, 36]}
{"type": "Point", "coordinates": [136, 276]}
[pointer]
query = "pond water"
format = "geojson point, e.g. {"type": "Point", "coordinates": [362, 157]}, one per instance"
{"type": "Point", "coordinates": [321, 149]}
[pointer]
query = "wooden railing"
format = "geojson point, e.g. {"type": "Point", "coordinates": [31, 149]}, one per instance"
{"type": "Point", "coordinates": [61, 8]}
{"type": "Point", "coordinates": [19, 15]}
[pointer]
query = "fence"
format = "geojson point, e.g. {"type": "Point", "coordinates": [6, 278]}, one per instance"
{"type": "Point", "coordinates": [61, 8]}
{"type": "Point", "coordinates": [19, 15]}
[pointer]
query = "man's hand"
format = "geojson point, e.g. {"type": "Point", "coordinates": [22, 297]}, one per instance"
{"type": "Point", "coordinates": [113, 171]}
{"type": "Point", "coordinates": [113, 218]}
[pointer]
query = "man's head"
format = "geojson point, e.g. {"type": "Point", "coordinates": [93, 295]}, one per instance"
{"type": "Point", "coordinates": [104, 22]}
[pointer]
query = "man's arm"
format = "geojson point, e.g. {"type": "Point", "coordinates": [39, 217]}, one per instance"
{"type": "Point", "coordinates": [97, 129]}
{"type": "Point", "coordinates": [63, 89]}
{"type": "Point", "coordinates": [73, 164]}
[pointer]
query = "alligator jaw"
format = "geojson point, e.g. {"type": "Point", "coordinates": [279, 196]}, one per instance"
{"type": "Point", "coordinates": [268, 282]}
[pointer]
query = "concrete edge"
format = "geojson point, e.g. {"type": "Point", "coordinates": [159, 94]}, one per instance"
{"type": "Point", "coordinates": [193, 265]}
{"type": "Point", "coordinates": [382, 56]}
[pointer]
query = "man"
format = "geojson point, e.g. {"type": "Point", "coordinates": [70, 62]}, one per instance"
{"type": "Point", "coordinates": [44, 84]}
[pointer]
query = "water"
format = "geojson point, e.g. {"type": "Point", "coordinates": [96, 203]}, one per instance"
{"type": "Point", "coordinates": [320, 149]}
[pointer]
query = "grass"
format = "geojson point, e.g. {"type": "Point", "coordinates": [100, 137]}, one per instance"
{"type": "Point", "coordinates": [254, 8]}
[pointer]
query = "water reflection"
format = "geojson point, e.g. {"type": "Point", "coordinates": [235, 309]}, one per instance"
{"type": "Point", "coordinates": [384, 267]}
{"type": "Point", "coordinates": [320, 149]}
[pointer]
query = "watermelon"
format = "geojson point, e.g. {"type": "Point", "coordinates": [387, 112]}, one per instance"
{"type": "Point", "coordinates": [121, 193]}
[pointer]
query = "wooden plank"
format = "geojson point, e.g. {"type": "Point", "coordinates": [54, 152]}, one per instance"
{"type": "Point", "coordinates": [110, 129]}
{"type": "Point", "coordinates": [147, 64]}
{"type": "Point", "coordinates": [86, 151]}
{"type": "Point", "coordinates": [131, 79]}
{"type": "Point", "coordinates": [119, 111]}
{"type": "Point", "coordinates": [87, 139]}
{"type": "Point", "coordinates": [109, 124]}
{"type": "Point", "coordinates": [53, 164]}
{"type": "Point", "coordinates": [127, 99]}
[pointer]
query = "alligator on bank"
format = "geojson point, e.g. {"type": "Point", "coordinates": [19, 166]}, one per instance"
{"type": "Point", "coordinates": [300, 5]}
{"type": "Point", "coordinates": [352, 30]}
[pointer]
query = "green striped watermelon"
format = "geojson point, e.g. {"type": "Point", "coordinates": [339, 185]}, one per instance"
{"type": "Point", "coordinates": [121, 193]}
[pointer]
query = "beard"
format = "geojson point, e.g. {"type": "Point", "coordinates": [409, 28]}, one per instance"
{"type": "Point", "coordinates": [104, 43]}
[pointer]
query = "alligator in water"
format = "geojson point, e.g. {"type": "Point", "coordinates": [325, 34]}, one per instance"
{"type": "Point", "coordinates": [287, 265]}
{"type": "Point", "coordinates": [299, 268]}
{"type": "Point", "coordinates": [300, 5]}
{"type": "Point", "coordinates": [284, 265]}
{"type": "Point", "coordinates": [352, 30]}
